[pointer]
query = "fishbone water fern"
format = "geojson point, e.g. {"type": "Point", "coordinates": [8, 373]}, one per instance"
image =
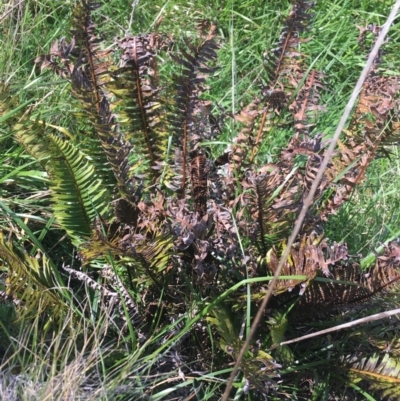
{"type": "Point", "coordinates": [164, 228]}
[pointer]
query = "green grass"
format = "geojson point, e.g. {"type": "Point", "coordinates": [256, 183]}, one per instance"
{"type": "Point", "coordinates": [51, 364]}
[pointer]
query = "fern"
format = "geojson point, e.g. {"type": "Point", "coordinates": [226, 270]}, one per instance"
{"type": "Point", "coordinates": [186, 228]}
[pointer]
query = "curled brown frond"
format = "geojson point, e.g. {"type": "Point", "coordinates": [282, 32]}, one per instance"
{"type": "Point", "coordinates": [308, 257]}
{"type": "Point", "coordinates": [355, 286]}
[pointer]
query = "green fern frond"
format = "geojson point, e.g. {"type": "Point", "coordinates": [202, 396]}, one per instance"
{"type": "Point", "coordinates": [231, 343]}
{"type": "Point", "coordinates": [91, 71]}
{"type": "Point", "coordinates": [91, 145]}
{"type": "Point", "coordinates": [381, 371]}
{"type": "Point", "coordinates": [33, 281]}
{"type": "Point", "coordinates": [113, 142]}
{"type": "Point", "coordinates": [89, 67]}
{"type": "Point", "coordinates": [139, 108]}
{"type": "Point", "coordinates": [226, 329]}
{"type": "Point", "coordinates": [75, 188]}
{"type": "Point", "coordinates": [78, 195]}
{"type": "Point", "coordinates": [146, 258]}
{"type": "Point", "coordinates": [8, 103]}
{"type": "Point", "coordinates": [278, 324]}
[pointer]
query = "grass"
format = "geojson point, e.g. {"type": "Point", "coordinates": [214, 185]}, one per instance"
{"type": "Point", "coordinates": [73, 364]}
{"type": "Point", "coordinates": [66, 364]}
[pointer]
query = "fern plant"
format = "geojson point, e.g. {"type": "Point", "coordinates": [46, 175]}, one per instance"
{"type": "Point", "coordinates": [166, 231]}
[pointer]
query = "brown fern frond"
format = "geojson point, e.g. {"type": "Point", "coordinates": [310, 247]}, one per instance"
{"type": "Point", "coordinates": [126, 212]}
{"type": "Point", "coordinates": [189, 85]}
{"type": "Point", "coordinates": [374, 124]}
{"type": "Point", "coordinates": [84, 52]}
{"type": "Point", "coordinates": [286, 48]}
{"type": "Point", "coordinates": [308, 257]}
{"type": "Point", "coordinates": [386, 270]}
{"type": "Point", "coordinates": [307, 103]}
{"type": "Point", "coordinates": [58, 60]}
{"type": "Point", "coordinates": [239, 151]}
{"type": "Point", "coordinates": [362, 285]}
{"type": "Point", "coordinates": [94, 60]}
{"type": "Point", "coordinates": [283, 68]}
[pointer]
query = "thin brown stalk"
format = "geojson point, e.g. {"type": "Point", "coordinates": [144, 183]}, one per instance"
{"type": "Point", "coordinates": [372, 318]}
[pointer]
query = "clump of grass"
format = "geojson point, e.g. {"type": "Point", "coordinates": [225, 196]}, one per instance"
{"type": "Point", "coordinates": [89, 360]}
{"type": "Point", "coordinates": [64, 362]}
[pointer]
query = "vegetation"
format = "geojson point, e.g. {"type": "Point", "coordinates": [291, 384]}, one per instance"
{"type": "Point", "coordinates": [155, 160]}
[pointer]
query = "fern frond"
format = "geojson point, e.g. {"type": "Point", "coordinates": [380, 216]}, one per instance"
{"type": "Point", "coordinates": [231, 343]}
{"type": "Point", "coordinates": [148, 258]}
{"type": "Point", "coordinates": [58, 60]}
{"type": "Point", "coordinates": [116, 148]}
{"type": "Point", "coordinates": [286, 49]}
{"type": "Point", "coordinates": [94, 61]}
{"type": "Point", "coordinates": [198, 175]}
{"type": "Point", "coordinates": [238, 155]}
{"type": "Point", "coordinates": [274, 200]}
{"type": "Point", "coordinates": [88, 67]}
{"type": "Point", "coordinates": [283, 68]}
{"type": "Point", "coordinates": [90, 145]}
{"type": "Point", "coordinates": [8, 103]}
{"type": "Point", "coordinates": [374, 124]}
{"type": "Point", "coordinates": [307, 103]}
{"type": "Point", "coordinates": [380, 370]}
{"type": "Point", "coordinates": [76, 187]}
{"type": "Point", "coordinates": [187, 114]}
{"type": "Point", "coordinates": [350, 285]}
{"type": "Point", "coordinates": [32, 281]}
{"type": "Point", "coordinates": [77, 194]}
{"type": "Point", "coordinates": [139, 109]}
{"type": "Point", "coordinates": [308, 257]}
